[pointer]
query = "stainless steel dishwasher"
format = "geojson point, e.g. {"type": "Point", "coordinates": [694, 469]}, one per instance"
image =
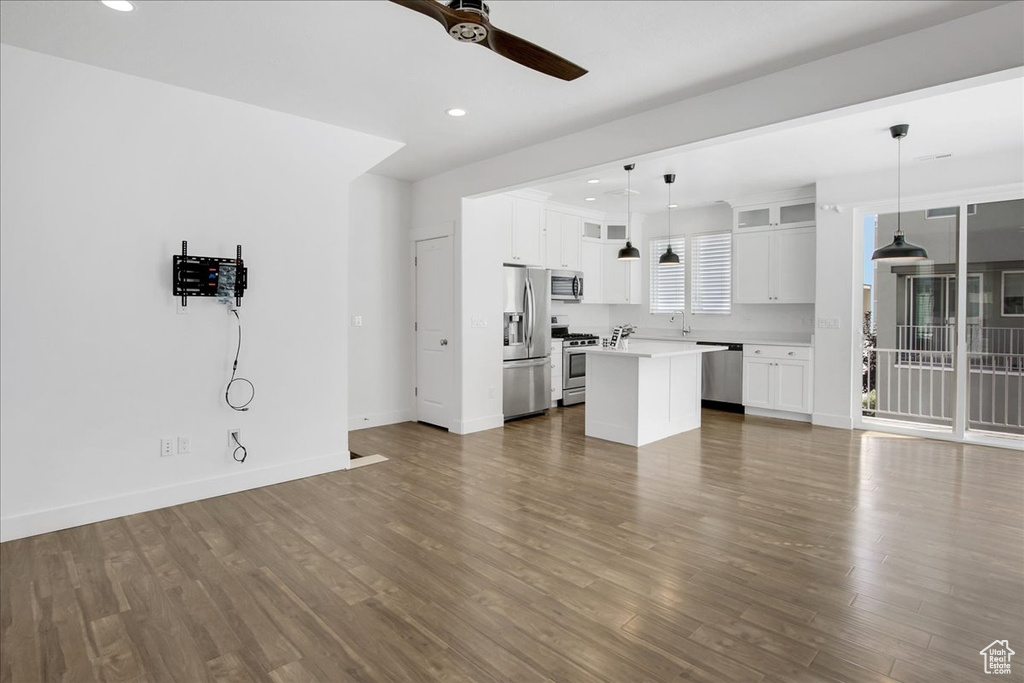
{"type": "Point", "coordinates": [722, 373]}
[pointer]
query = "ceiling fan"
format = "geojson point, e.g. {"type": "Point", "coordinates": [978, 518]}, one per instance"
{"type": "Point", "coordinates": [468, 21]}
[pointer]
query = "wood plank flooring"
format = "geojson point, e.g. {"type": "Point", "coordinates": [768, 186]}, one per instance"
{"type": "Point", "coordinates": [749, 551]}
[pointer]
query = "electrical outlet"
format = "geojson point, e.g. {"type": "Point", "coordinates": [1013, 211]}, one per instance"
{"type": "Point", "coordinates": [182, 310]}
{"type": "Point", "coordinates": [478, 321]}
{"type": "Point", "coordinates": [492, 392]}
{"type": "Point", "coordinates": [828, 323]}
{"type": "Point", "coordinates": [357, 321]}
{"type": "Point", "coordinates": [184, 444]}
{"type": "Point", "coordinates": [166, 447]}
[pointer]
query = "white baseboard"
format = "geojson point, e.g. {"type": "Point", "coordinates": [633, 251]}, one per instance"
{"type": "Point", "coordinates": [380, 419]}
{"type": "Point", "coordinates": [43, 521]}
{"type": "Point", "coordinates": [777, 414]}
{"type": "Point", "coordinates": [478, 425]}
{"type": "Point", "coordinates": [837, 421]}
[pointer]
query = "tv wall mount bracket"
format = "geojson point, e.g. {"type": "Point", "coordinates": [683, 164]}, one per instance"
{"type": "Point", "coordinates": [209, 276]}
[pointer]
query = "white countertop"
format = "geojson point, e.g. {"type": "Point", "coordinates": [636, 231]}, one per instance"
{"type": "Point", "coordinates": [768, 339]}
{"type": "Point", "coordinates": [639, 348]}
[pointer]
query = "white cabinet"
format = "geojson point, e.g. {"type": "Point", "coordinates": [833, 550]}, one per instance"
{"type": "Point", "coordinates": [794, 213]}
{"type": "Point", "coordinates": [563, 233]}
{"type": "Point", "coordinates": [524, 237]}
{"type": "Point", "coordinates": [591, 230]}
{"type": "Point", "coordinates": [774, 266]}
{"type": "Point", "coordinates": [556, 372]}
{"type": "Point", "coordinates": [593, 271]}
{"type": "Point", "coordinates": [620, 283]}
{"type": "Point", "coordinates": [777, 378]}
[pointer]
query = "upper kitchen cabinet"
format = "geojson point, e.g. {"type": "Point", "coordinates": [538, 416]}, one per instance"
{"type": "Point", "coordinates": [620, 283]}
{"type": "Point", "coordinates": [564, 234]}
{"type": "Point", "coordinates": [774, 267]}
{"type": "Point", "coordinates": [593, 271]}
{"type": "Point", "coordinates": [524, 242]}
{"type": "Point", "coordinates": [789, 209]}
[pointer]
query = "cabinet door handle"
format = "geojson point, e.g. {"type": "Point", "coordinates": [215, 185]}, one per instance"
{"type": "Point", "coordinates": [444, 342]}
{"type": "Point", "coordinates": [758, 351]}
{"type": "Point", "coordinates": [792, 353]}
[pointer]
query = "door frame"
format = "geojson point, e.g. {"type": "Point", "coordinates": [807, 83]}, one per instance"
{"type": "Point", "coordinates": [959, 198]}
{"type": "Point", "coordinates": [423, 234]}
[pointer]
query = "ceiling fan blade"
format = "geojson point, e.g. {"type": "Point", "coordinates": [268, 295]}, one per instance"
{"type": "Point", "coordinates": [432, 9]}
{"type": "Point", "coordinates": [526, 53]}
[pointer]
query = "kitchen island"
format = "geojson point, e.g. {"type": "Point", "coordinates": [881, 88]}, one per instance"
{"type": "Point", "coordinates": [645, 393]}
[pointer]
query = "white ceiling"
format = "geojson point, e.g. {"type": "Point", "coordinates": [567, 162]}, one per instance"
{"type": "Point", "coordinates": [972, 122]}
{"type": "Point", "coordinates": [379, 68]}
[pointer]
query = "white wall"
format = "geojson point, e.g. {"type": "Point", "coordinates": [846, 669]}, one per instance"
{"type": "Point", "coordinates": [479, 287]}
{"type": "Point", "coordinates": [863, 77]}
{"type": "Point", "coordinates": [102, 176]}
{"type": "Point", "coordinates": [380, 291]}
{"type": "Point", "coordinates": [839, 255]}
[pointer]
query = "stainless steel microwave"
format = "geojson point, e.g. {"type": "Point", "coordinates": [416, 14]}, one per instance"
{"type": "Point", "coordinates": [566, 285]}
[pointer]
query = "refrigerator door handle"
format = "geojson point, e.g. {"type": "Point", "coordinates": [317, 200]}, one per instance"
{"type": "Point", "coordinates": [530, 314]}
{"type": "Point", "coordinates": [528, 363]}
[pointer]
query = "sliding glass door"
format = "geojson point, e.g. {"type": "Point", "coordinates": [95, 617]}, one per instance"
{"type": "Point", "coordinates": [943, 342]}
{"type": "Point", "coordinates": [994, 338]}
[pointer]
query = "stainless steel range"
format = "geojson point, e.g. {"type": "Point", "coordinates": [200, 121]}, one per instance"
{"type": "Point", "coordinates": [574, 362]}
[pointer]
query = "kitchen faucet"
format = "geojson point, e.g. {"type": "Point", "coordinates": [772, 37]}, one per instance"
{"type": "Point", "coordinates": [686, 330]}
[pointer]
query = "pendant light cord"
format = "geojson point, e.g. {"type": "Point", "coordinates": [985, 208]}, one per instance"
{"type": "Point", "coordinates": [629, 204]}
{"type": "Point", "coordinates": [899, 188]}
{"type": "Point", "coordinates": [669, 215]}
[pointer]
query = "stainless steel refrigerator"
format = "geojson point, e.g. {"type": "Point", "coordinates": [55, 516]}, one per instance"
{"type": "Point", "coordinates": [527, 320]}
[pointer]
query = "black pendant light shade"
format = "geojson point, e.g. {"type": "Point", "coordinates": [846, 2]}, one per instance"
{"type": "Point", "coordinates": [669, 258]}
{"type": "Point", "coordinates": [900, 249]}
{"type": "Point", "coordinates": [628, 252]}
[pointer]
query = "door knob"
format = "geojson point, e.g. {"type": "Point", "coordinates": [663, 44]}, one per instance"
{"type": "Point", "coordinates": [444, 342]}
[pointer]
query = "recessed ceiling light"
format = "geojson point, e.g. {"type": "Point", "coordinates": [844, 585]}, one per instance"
{"type": "Point", "coordinates": [455, 111]}
{"type": "Point", "coordinates": [593, 181]}
{"type": "Point", "coordinates": [590, 199]}
{"type": "Point", "coordinates": [935, 157]}
{"type": "Point", "coordinates": [673, 206]}
{"type": "Point", "coordinates": [119, 5]}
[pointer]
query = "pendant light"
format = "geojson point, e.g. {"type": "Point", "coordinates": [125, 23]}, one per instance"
{"type": "Point", "coordinates": [629, 252]}
{"type": "Point", "coordinates": [900, 250]}
{"type": "Point", "coordinates": [669, 258]}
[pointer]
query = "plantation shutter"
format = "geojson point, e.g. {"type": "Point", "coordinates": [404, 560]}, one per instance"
{"type": "Point", "coordinates": [712, 273]}
{"type": "Point", "coordinates": [668, 283]}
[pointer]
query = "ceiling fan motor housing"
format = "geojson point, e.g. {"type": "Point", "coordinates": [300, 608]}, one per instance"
{"type": "Point", "coordinates": [469, 31]}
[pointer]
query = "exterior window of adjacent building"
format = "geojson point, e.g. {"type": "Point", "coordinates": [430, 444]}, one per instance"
{"type": "Point", "coordinates": [668, 283]}
{"type": "Point", "coordinates": [711, 282]}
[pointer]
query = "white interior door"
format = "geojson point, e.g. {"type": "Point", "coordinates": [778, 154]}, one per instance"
{"type": "Point", "coordinates": [434, 331]}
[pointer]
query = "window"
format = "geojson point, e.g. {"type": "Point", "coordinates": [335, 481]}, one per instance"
{"type": "Point", "coordinates": [668, 283]}
{"type": "Point", "coordinates": [712, 273]}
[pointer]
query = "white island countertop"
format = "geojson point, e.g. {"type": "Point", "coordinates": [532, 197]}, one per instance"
{"type": "Point", "coordinates": [642, 348]}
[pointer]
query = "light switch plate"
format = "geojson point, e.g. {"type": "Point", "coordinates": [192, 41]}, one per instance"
{"type": "Point", "coordinates": [828, 323]}
{"type": "Point", "coordinates": [166, 447]}
{"type": "Point", "coordinates": [478, 321]}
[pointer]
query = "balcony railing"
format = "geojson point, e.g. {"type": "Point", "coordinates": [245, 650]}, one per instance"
{"type": "Point", "coordinates": [988, 348]}
{"type": "Point", "coordinates": [914, 382]}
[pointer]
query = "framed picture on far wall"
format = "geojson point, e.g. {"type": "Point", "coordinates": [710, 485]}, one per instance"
{"type": "Point", "coordinates": [1013, 293]}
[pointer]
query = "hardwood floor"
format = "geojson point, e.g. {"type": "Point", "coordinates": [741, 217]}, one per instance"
{"type": "Point", "coordinates": [750, 550]}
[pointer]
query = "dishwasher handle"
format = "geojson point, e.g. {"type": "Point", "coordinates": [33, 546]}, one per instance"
{"type": "Point", "coordinates": [730, 347]}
